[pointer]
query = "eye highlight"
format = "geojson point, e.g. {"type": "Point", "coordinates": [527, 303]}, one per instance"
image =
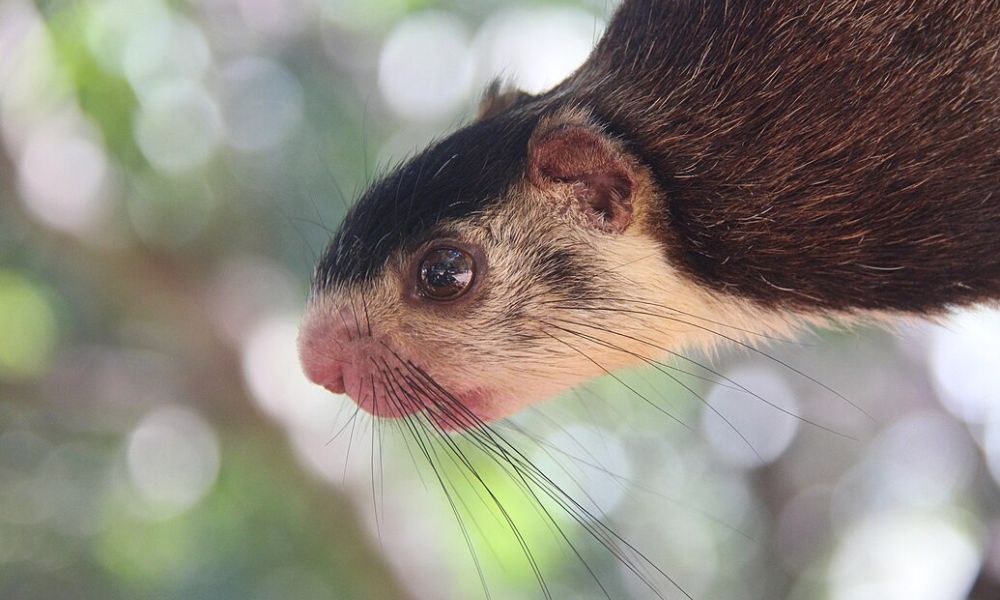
{"type": "Point", "coordinates": [446, 273]}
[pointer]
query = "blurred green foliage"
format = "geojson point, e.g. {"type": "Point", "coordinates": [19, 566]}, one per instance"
{"type": "Point", "coordinates": [27, 328]}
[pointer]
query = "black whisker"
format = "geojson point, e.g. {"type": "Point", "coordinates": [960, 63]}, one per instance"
{"type": "Point", "coordinates": [733, 385]}
{"type": "Point", "coordinates": [728, 338]}
{"type": "Point", "coordinates": [506, 454]}
{"type": "Point", "coordinates": [688, 388]}
{"type": "Point", "coordinates": [621, 381]}
{"type": "Point", "coordinates": [428, 452]}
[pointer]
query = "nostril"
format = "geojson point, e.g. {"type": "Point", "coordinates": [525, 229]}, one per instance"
{"type": "Point", "coordinates": [332, 359]}
{"type": "Point", "coordinates": [323, 370]}
{"type": "Point", "coordinates": [330, 375]}
{"type": "Point", "coordinates": [335, 384]}
{"type": "Point", "coordinates": [325, 350]}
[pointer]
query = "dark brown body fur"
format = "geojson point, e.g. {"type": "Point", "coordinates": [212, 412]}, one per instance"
{"type": "Point", "coordinates": [826, 153]}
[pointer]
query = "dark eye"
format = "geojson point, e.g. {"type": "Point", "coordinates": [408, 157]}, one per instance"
{"type": "Point", "coordinates": [446, 273]}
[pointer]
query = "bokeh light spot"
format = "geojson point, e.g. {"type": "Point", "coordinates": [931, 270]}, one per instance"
{"type": "Point", "coordinates": [272, 371]}
{"type": "Point", "coordinates": [589, 463]}
{"type": "Point", "coordinates": [111, 24]}
{"type": "Point", "coordinates": [261, 105]}
{"type": "Point", "coordinates": [965, 358]}
{"type": "Point", "coordinates": [245, 289]}
{"type": "Point", "coordinates": [33, 83]}
{"type": "Point", "coordinates": [991, 445]}
{"type": "Point", "coordinates": [904, 556]}
{"type": "Point", "coordinates": [62, 176]}
{"type": "Point", "coordinates": [744, 430]}
{"type": "Point", "coordinates": [923, 460]}
{"type": "Point", "coordinates": [178, 127]}
{"type": "Point", "coordinates": [168, 49]}
{"type": "Point", "coordinates": [537, 48]}
{"type": "Point", "coordinates": [173, 459]}
{"type": "Point", "coordinates": [425, 71]}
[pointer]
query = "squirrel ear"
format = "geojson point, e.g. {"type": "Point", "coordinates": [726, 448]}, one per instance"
{"type": "Point", "coordinates": [581, 164]}
{"type": "Point", "coordinates": [498, 98]}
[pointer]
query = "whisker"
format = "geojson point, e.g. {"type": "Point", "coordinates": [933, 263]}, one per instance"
{"type": "Point", "coordinates": [350, 420]}
{"type": "Point", "coordinates": [688, 388]}
{"type": "Point", "coordinates": [428, 452]}
{"type": "Point", "coordinates": [659, 366]}
{"type": "Point", "coordinates": [354, 314]}
{"type": "Point", "coordinates": [731, 339]}
{"type": "Point", "coordinates": [621, 381]}
{"type": "Point", "coordinates": [496, 501]}
{"type": "Point", "coordinates": [627, 482]}
{"type": "Point", "coordinates": [586, 304]}
{"type": "Point", "coordinates": [495, 451]}
{"type": "Point", "coordinates": [347, 328]}
{"type": "Point", "coordinates": [501, 450]}
{"type": "Point", "coordinates": [350, 443]}
{"type": "Point", "coordinates": [368, 322]}
{"type": "Point", "coordinates": [378, 526]}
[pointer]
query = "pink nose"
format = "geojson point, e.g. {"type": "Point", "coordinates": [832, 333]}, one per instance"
{"type": "Point", "coordinates": [325, 350]}
{"type": "Point", "coordinates": [345, 359]}
{"type": "Point", "coordinates": [332, 378]}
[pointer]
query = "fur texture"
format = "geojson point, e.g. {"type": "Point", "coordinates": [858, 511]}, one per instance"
{"type": "Point", "coordinates": [716, 169]}
{"type": "Point", "coordinates": [824, 154]}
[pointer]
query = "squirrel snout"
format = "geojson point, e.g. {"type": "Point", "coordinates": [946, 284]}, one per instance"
{"type": "Point", "coordinates": [332, 379]}
{"type": "Point", "coordinates": [346, 359]}
{"type": "Point", "coordinates": [322, 352]}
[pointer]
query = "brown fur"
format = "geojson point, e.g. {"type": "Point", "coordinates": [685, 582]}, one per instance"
{"type": "Point", "coordinates": [818, 154]}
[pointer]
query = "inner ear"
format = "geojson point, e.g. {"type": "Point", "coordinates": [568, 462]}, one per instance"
{"type": "Point", "coordinates": [583, 165]}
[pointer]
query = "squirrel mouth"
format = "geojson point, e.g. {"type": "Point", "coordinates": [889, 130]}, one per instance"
{"type": "Point", "coordinates": [390, 398]}
{"type": "Point", "coordinates": [453, 412]}
{"type": "Point", "coordinates": [384, 383]}
{"type": "Point", "coordinates": [462, 412]}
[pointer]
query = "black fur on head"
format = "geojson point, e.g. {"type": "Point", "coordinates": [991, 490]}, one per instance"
{"type": "Point", "coordinates": [821, 155]}
{"type": "Point", "coordinates": [459, 175]}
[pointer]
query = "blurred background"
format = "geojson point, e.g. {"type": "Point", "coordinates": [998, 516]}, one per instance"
{"type": "Point", "coordinates": [170, 171]}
